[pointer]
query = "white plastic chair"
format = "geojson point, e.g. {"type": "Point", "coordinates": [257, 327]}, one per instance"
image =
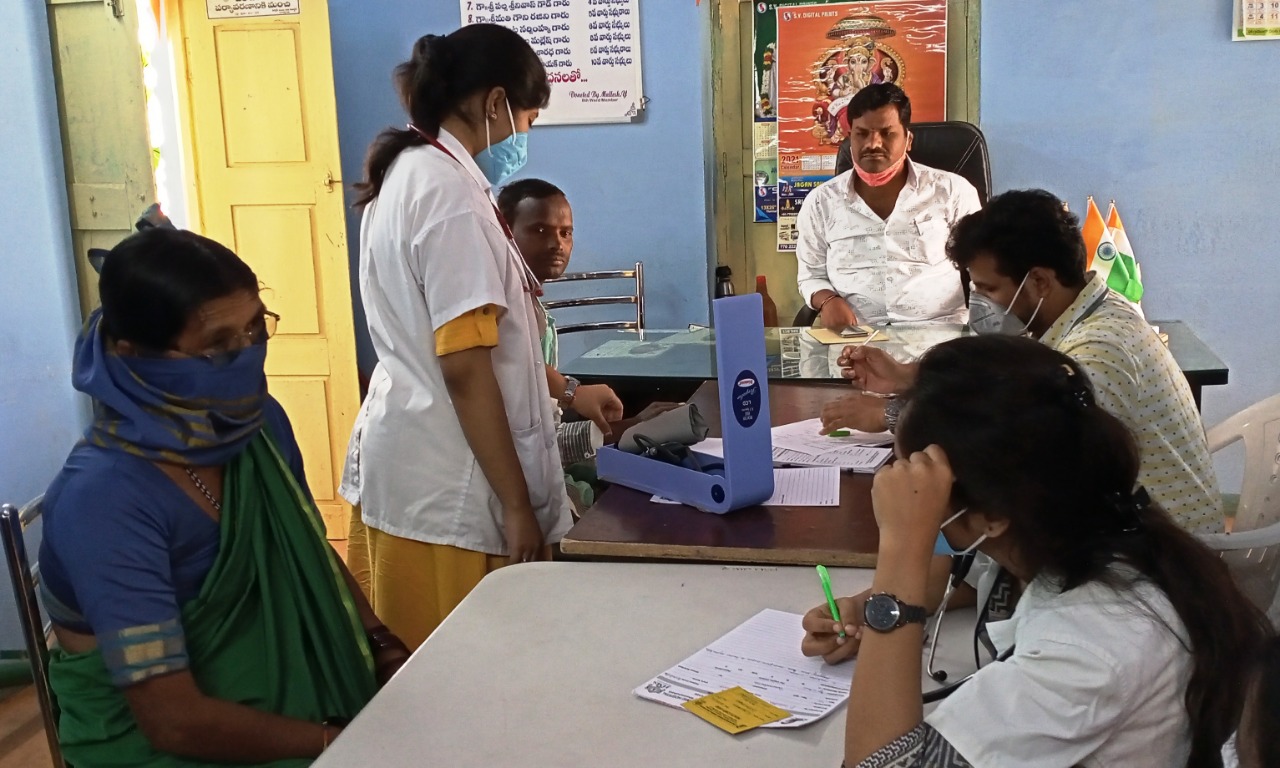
{"type": "Point", "coordinates": [1252, 549]}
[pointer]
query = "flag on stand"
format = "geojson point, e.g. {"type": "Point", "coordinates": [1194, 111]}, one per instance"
{"type": "Point", "coordinates": [1095, 229]}
{"type": "Point", "coordinates": [1123, 275]}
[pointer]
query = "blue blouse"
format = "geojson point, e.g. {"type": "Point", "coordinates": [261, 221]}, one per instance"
{"type": "Point", "coordinates": [124, 548]}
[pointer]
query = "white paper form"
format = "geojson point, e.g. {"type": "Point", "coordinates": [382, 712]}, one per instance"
{"type": "Point", "coordinates": [848, 456]}
{"type": "Point", "coordinates": [854, 458]}
{"type": "Point", "coordinates": [762, 655]}
{"type": "Point", "coordinates": [805, 487]}
{"type": "Point", "coordinates": [803, 436]}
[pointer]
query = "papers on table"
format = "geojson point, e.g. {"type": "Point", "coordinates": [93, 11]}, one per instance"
{"type": "Point", "coordinates": [800, 445]}
{"type": "Point", "coordinates": [763, 656]}
{"type": "Point", "coordinates": [854, 458]}
{"type": "Point", "coordinates": [803, 436]}
{"type": "Point", "coordinates": [809, 487]}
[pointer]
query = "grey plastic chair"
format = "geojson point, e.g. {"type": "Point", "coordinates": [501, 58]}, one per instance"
{"type": "Point", "coordinates": [25, 577]}
{"type": "Point", "coordinates": [636, 275]}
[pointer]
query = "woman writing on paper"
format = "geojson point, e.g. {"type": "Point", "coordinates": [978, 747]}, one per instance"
{"type": "Point", "coordinates": [1130, 641]}
{"type": "Point", "coordinates": [456, 442]}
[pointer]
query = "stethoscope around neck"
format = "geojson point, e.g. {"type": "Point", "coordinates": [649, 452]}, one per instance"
{"type": "Point", "coordinates": [960, 565]}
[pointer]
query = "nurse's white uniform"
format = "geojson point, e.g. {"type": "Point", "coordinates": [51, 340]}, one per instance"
{"type": "Point", "coordinates": [431, 250]}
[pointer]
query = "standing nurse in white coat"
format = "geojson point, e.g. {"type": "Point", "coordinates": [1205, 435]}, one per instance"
{"type": "Point", "coordinates": [456, 446]}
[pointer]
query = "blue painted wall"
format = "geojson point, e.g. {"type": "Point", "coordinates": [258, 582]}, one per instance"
{"type": "Point", "coordinates": [40, 415]}
{"type": "Point", "coordinates": [638, 190]}
{"type": "Point", "coordinates": [1160, 110]}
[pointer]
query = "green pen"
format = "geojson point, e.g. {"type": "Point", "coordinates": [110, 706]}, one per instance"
{"type": "Point", "coordinates": [825, 578]}
{"type": "Point", "coordinates": [839, 433]}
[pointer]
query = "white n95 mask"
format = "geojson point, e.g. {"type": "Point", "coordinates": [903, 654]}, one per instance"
{"type": "Point", "coordinates": [988, 317]}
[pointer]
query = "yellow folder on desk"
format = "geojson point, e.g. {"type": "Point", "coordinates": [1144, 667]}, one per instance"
{"type": "Point", "coordinates": [823, 336]}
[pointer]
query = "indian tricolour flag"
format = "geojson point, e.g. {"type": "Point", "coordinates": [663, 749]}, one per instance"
{"type": "Point", "coordinates": [1104, 257]}
{"type": "Point", "coordinates": [1123, 275]}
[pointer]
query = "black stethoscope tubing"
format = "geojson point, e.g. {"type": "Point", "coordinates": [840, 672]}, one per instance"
{"type": "Point", "coordinates": [959, 569]}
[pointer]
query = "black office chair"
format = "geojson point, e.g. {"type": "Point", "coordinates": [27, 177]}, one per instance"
{"type": "Point", "coordinates": [35, 631]}
{"type": "Point", "coordinates": [954, 146]}
{"type": "Point", "coordinates": [636, 275]}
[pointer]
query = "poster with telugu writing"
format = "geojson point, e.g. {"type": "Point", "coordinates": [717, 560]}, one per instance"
{"type": "Point", "coordinates": [591, 49]}
{"type": "Point", "coordinates": [826, 54]}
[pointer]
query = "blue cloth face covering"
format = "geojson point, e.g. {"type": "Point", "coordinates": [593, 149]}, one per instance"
{"type": "Point", "coordinates": [190, 411]}
{"type": "Point", "coordinates": [503, 160]}
{"type": "Point", "coordinates": [943, 547]}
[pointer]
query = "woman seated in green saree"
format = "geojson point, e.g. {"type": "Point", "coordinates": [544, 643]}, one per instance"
{"type": "Point", "coordinates": [202, 618]}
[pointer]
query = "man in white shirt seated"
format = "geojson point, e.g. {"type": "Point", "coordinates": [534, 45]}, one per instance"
{"type": "Point", "coordinates": [872, 241]}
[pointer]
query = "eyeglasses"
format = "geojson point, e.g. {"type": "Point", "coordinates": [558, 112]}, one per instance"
{"type": "Point", "coordinates": [226, 351]}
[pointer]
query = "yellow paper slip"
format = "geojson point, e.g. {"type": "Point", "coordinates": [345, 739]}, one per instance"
{"type": "Point", "coordinates": [823, 336]}
{"type": "Point", "coordinates": [735, 710]}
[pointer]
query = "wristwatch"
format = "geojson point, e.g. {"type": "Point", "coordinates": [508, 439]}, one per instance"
{"type": "Point", "coordinates": [884, 612]}
{"type": "Point", "coordinates": [570, 390]}
{"type": "Point", "coordinates": [892, 408]}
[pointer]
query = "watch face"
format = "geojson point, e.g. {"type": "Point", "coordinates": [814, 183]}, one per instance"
{"type": "Point", "coordinates": [882, 612]}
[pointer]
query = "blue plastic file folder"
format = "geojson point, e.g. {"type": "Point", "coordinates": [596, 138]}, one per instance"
{"type": "Point", "coordinates": [745, 477]}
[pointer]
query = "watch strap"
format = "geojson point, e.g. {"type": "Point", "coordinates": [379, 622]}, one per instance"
{"type": "Point", "coordinates": [892, 408]}
{"type": "Point", "coordinates": [570, 391]}
{"type": "Point", "coordinates": [911, 614]}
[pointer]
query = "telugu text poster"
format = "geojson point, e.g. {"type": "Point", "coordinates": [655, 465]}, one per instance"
{"type": "Point", "coordinates": [591, 49]}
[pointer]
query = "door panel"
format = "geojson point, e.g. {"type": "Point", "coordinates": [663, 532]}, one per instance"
{"type": "Point", "coordinates": [263, 163]}
{"type": "Point", "coordinates": [102, 106]}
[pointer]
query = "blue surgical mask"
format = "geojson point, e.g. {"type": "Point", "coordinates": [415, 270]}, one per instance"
{"type": "Point", "coordinates": [943, 547]}
{"type": "Point", "coordinates": [503, 160]}
{"type": "Point", "coordinates": [988, 317]}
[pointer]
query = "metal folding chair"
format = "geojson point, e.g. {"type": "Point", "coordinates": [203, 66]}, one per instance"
{"type": "Point", "coordinates": [25, 576]}
{"type": "Point", "coordinates": [636, 274]}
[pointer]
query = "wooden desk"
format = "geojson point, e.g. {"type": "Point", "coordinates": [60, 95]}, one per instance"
{"type": "Point", "coordinates": [624, 523]}
{"type": "Point", "coordinates": [535, 669]}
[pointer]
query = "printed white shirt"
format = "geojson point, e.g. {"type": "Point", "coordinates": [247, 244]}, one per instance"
{"type": "Point", "coordinates": [1135, 378]}
{"type": "Point", "coordinates": [893, 270]}
{"type": "Point", "coordinates": [1097, 678]}
{"type": "Point", "coordinates": [432, 250]}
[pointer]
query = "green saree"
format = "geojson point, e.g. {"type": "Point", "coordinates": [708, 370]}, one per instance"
{"type": "Point", "coordinates": [274, 627]}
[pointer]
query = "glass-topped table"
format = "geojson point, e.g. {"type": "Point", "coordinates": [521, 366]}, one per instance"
{"type": "Point", "coordinates": [659, 359]}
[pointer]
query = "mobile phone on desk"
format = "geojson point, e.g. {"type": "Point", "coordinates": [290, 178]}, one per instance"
{"type": "Point", "coordinates": [854, 332]}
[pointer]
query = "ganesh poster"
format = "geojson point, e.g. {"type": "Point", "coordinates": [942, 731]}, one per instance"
{"type": "Point", "coordinates": [827, 53]}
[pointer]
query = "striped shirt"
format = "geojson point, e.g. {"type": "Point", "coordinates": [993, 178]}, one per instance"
{"type": "Point", "coordinates": [1135, 377]}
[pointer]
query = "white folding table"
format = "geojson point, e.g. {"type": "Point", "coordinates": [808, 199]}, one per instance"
{"type": "Point", "coordinates": [537, 666]}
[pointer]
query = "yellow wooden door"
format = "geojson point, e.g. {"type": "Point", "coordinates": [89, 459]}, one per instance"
{"type": "Point", "coordinates": [262, 170]}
